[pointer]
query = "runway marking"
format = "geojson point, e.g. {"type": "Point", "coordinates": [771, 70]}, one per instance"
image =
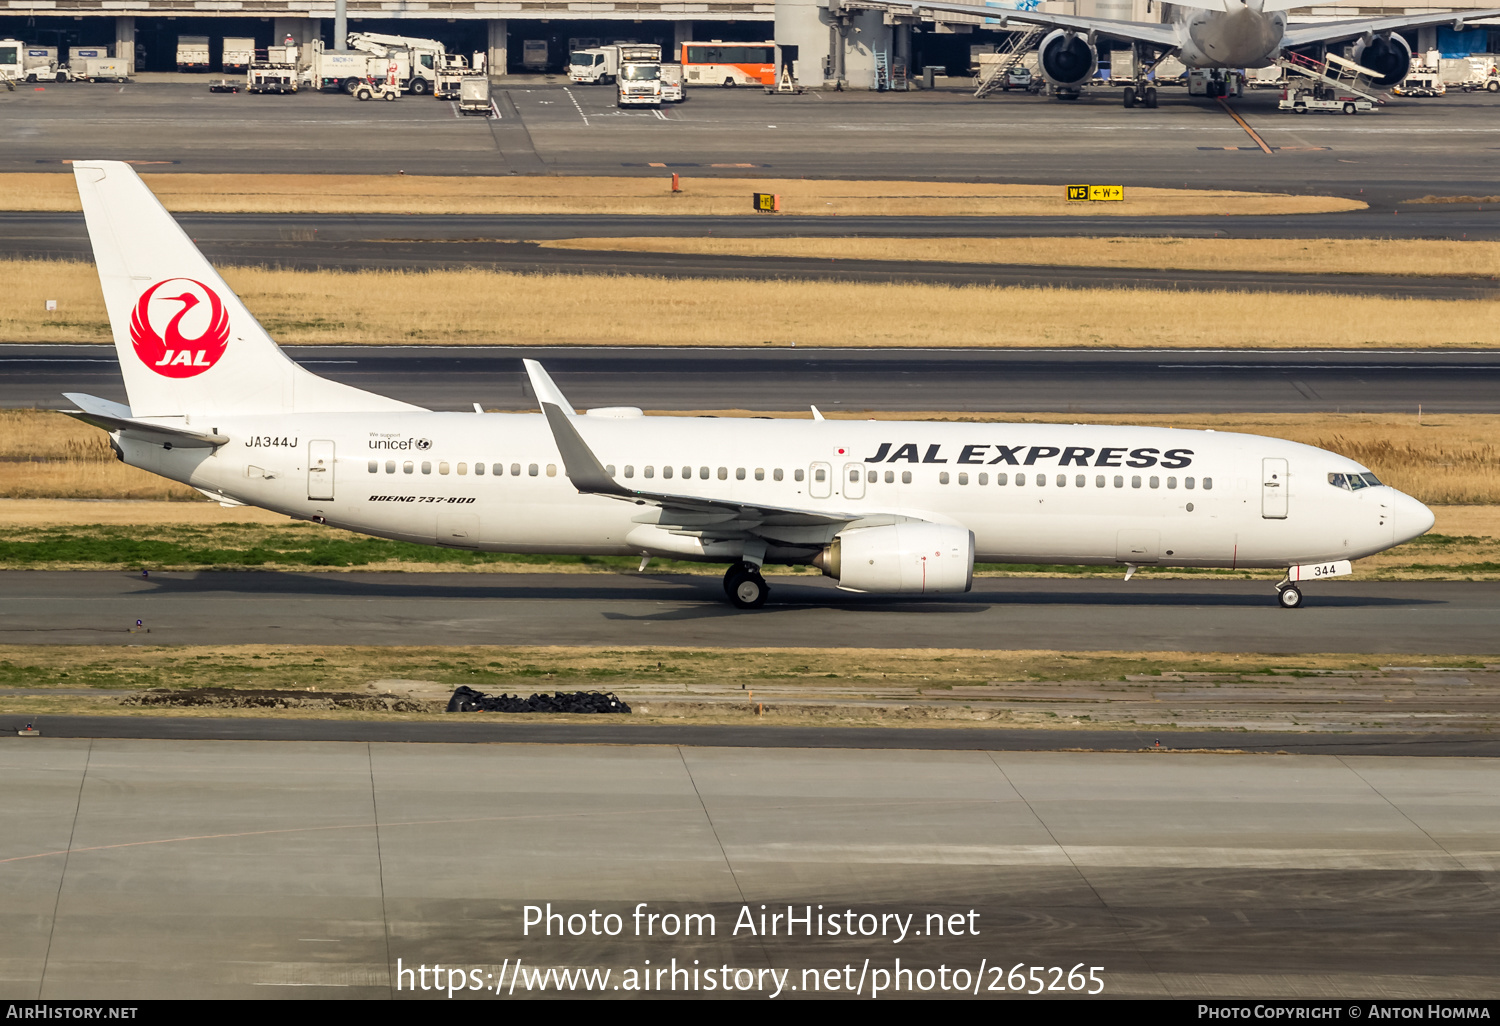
{"type": "Point", "coordinates": [1248, 130]}
{"type": "Point", "coordinates": [578, 106]}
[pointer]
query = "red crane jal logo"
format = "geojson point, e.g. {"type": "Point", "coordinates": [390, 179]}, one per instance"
{"type": "Point", "coordinates": [196, 328]}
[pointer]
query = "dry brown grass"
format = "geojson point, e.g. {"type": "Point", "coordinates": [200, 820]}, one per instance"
{"type": "Point", "coordinates": [1417, 257]}
{"type": "Point", "coordinates": [471, 306]}
{"type": "Point", "coordinates": [1455, 199]}
{"type": "Point", "coordinates": [48, 455]}
{"type": "Point", "coordinates": [412, 194]}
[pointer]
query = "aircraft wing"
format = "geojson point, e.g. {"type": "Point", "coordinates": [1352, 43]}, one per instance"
{"type": "Point", "coordinates": [1329, 31]}
{"type": "Point", "coordinates": [1137, 31]}
{"type": "Point", "coordinates": [688, 513]}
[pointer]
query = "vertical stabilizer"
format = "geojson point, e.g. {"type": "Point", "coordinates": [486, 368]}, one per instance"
{"type": "Point", "coordinates": [185, 341]}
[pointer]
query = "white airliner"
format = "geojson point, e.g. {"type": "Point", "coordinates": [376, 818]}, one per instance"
{"type": "Point", "coordinates": [887, 507]}
{"type": "Point", "coordinates": [1215, 34]}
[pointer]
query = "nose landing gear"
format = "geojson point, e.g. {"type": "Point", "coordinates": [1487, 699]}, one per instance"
{"type": "Point", "coordinates": [1288, 595]}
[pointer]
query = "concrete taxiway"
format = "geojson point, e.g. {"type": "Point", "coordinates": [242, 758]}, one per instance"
{"type": "Point", "coordinates": [142, 869]}
{"type": "Point", "coordinates": [786, 379]}
{"type": "Point", "coordinates": [98, 608]}
{"type": "Point", "coordinates": [1409, 147]}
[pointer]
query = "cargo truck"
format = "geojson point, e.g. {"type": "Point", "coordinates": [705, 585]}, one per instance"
{"type": "Point", "coordinates": [599, 65]}
{"type": "Point", "coordinates": [192, 53]}
{"type": "Point", "coordinates": [639, 84]}
{"type": "Point", "coordinates": [339, 69]}
{"type": "Point", "coordinates": [239, 53]}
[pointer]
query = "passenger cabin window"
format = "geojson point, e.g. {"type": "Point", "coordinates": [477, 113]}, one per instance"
{"type": "Point", "coordinates": [890, 477]}
{"type": "Point", "coordinates": [426, 467]}
{"type": "Point", "coordinates": [374, 466]}
{"type": "Point", "coordinates": [666, 472]}
{"type": "Point", "coordinates": [1002, 479]}
{"type": "Point", "coordinates": [820, 474]}
{"type": "Point", "coordinates": [1208, 483]}
{"type": "Point", "coordinates": [1119, 481]}
{"type": "Point", "coordinates": [760, 473]}
{"type": "Point", "coordinates": [1081, 481]}
{"type": "Point", "coordinates": [650, 471]}
{"type": "Point", "coordinates": [871, 477]}
{"type": "Point", "coordinates": [1135, 480]}
{"type": "Point", "coordinates": [1155, 481]}
{"type": "Point", "coordinates": [943, 477]}
{"type": "Point", "coordinates": [532, 470]}
{"type": "Point", "coordinates": [963, 479]}
{"type": "Point", "coordinates": [463, 469]}
{"type": "Point", "coordinates": [854, 477]}
{"type": "Point", "coordinates": [1062, 480]}
{"type": "Point", "coordinates": [1171, 483]}
{"type": "Point", "coordinates": [552, 470]}
{"type": "Point", "coordinates": [442, 466]}
{"type": "Point", "coordinates": [776, 474]}
{"type": "Point", "coordinates": [1099, 481]}
{"type": "Point", "coordinates": [796, 474]}
{"type": "Point", "coordinates": [703, 473]}
{"type": "Point", "coordinates": [906, 477]}
{"type": "Point", "coordinates": [407, 467]}
{"type": "Point", "coordinates": [515, 469]}
{"type": "Point", "coordinates": [1041, 480]}
{"type": "Point", "coordinates": [609, 468]}
{"type": "Point", "coordinates": [390, 466]}
{"type": "Point", "coordinates": [1187, 483]}
{"type": "Point", "coordinates": [629, 470]}
{"type": "Point", "coordinates": [723, 474]}
{"type": "Point", "coordinates": [479, 469]}
{"type": "Point", "coordinates": [1020, 480]}
{"type": "Point", "coordinates": [739, 473]}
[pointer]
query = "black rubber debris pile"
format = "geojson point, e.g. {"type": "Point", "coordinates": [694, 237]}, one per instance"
{"type": "Point", "coordinates": [466, 699]}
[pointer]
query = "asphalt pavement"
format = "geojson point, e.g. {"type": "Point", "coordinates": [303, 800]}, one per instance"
{"type": "Point", "coordinates": [871, 380]}
{"type": "Point", "coordinates": [1092, 614]}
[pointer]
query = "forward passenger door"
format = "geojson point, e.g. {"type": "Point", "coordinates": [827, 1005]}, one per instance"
{"type": "Point", "coordinates": [1273, 488]}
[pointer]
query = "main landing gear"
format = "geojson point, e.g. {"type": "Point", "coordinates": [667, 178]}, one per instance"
{"type": "Point", "coordinates": [1140, 96]}
{"type": "Point", "coordinates": [744, 585]}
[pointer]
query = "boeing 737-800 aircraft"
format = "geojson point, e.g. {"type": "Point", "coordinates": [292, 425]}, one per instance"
{"type": "Point", "coordinates": [893, 507]}
{"type": "Point", "coordinates": [1214, 34]}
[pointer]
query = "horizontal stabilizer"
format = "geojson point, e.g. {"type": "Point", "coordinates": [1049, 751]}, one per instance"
{"type": "Point", "coordinates": [111, 416]}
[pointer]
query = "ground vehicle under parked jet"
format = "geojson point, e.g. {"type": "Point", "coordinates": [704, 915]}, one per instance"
{"type": "Point", "coordinates": [894, 507]}
{"type": "Point", "coordinates": [1215, 34]}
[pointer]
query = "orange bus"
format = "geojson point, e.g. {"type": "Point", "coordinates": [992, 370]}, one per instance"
{"type": "Point", "coordinates": [729, 64]}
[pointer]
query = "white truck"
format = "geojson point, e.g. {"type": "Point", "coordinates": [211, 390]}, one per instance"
{"type": "Point", "coordinates": [672, 89]}
{"type": "Point", "coordinates": [422, 57]}
{"type": "Point", "coordinates": [451, 73]}
{"type": "Point", "coordinates": [321, 69]}
{"type": "Point", "coordinates": [639, 84]}
{"type": "Point", "coordinates": [192, 53]}
{"type": "Point", "coordinates": [271, 77]}
{"type": "Point", "coordinates": [11, 56]}
{"type": "Point", "coordinates": [599, 65]}
{"type": "Point", "coordinates": [239, 53]}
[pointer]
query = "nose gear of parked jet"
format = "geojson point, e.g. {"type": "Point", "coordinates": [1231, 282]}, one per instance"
{"type": "Point", "coordinates": [744, 585]}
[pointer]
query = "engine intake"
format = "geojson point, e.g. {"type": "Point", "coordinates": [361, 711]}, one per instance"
{"type": "Point", "coordinates": [1067, 59]}
{"type": "Point", "coordinates": [1389, 56]}
{"type": "Point", "coordinates": [924, 559]}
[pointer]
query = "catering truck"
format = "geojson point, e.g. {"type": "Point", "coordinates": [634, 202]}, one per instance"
{"type": "Point", "coordinates": [419, 59]}
{"type": "Point", "coordinates": [192, 53]}
{"type": "Point", "coordinates": [239, 53]}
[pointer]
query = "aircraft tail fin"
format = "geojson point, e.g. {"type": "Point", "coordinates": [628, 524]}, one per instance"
{"type": "Point", "coordinates": [185, 341]}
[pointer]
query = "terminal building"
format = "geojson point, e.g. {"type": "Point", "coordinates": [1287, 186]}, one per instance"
{"type": "Point", "coordinates": [855, 43]}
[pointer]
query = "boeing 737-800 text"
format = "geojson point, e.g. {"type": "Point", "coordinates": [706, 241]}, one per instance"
{"type": "Point", "coordinates": [889, 507]}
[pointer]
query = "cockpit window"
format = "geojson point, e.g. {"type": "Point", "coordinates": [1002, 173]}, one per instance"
{"type": "Point", "coordinates": [1353, 482]}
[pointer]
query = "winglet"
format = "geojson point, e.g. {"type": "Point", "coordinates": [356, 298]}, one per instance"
{"type": "Point", "coordinates": [546, 390]}
{"type": "Point", "coordinates": [579, 462]}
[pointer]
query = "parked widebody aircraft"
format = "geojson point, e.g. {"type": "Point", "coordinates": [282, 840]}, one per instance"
{"type": "Point", "coordinates": [1215, 34]}
{"type": "Point", "coordinates": [885, 507]}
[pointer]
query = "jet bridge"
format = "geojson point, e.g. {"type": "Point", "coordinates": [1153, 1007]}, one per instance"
{"type": "Point", "coordinates": [1335, 73]}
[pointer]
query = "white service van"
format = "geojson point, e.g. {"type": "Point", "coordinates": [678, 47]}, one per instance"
{"type": "Point", "coordinates": [597, 65]}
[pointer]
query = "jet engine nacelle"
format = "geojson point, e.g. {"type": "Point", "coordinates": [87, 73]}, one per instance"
{"type": "Point", "coordinates": [1067, 60]}
{"type": "Point", "coordinates": [1389, 56]}
{"type": "Point", "coordinates": [925, 559]}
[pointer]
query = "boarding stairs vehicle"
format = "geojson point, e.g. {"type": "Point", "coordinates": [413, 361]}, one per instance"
{"type": "Point", "coordinates": [452, 69]}
{"type": "Point", "coordinates": [1335, 76]}
{"type": "Point", "coordinates": [993, 78]}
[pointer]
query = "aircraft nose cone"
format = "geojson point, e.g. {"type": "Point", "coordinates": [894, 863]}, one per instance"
{"type": "Point", "coordinates": [1409, 518]}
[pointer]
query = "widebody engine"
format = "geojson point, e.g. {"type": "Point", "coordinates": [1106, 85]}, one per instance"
{"type": "Point", "coordinates": [1067, 59]}
{"type": "Point", "coordinates": [1389, 56]}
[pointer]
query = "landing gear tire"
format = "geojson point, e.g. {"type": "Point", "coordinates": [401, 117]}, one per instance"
{"type": "Point", "coordinates": [1150, 93]}
{"type": "Point", "coordinates": [1290, 597]}
{"type": "Point", "coordinates": [745, 587]}
{"type": "Point", "coordinates": [1129, 96]}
